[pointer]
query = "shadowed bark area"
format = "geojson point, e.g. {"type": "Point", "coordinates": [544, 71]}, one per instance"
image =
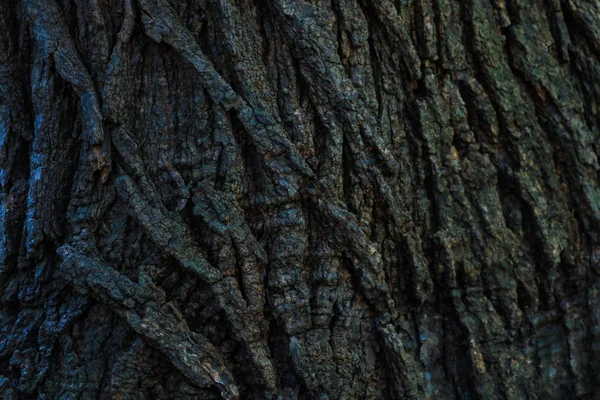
{"type": "Point", "coordinates": [294, 199]}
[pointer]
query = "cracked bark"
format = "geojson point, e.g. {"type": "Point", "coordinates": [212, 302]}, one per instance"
{"type": "Point", "coordinates": [345, 199]}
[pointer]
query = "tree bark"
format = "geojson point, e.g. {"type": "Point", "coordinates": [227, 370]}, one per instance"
{"type": "Point", "coordinates": [293, 199]}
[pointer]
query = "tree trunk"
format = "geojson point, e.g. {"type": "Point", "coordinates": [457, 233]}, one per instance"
{"type": "Point", "coordinates": [292, 199]}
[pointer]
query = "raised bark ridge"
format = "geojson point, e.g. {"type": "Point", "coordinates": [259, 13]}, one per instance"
{"type": "Point", "coordinates": [345, 199]}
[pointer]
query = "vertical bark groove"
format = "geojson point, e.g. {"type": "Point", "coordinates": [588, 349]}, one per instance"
{"type": "Point", "coordinates": [345, 199]}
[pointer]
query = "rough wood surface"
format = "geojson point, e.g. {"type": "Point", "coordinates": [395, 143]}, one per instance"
{"type": "Point", "coordinates": [294, 199]}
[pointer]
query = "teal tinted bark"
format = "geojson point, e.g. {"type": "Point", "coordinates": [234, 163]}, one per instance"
{"type": "Point", "coordinates": [346, 199]}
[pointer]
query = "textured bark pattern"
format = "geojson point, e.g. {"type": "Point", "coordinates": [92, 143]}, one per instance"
{"type": "Point", "coordinates": [293, 199]}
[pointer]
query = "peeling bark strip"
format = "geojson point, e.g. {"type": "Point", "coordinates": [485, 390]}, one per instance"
{"type": "Point", "coordinates": [344, 199]}
{"type": "Point", "coordinates": [145, 310]}
{"type": "Point", "coordinates": [53, 37]}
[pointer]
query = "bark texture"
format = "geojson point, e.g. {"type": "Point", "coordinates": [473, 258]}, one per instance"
{"type": "Point", "coordinates": [293, 199]}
